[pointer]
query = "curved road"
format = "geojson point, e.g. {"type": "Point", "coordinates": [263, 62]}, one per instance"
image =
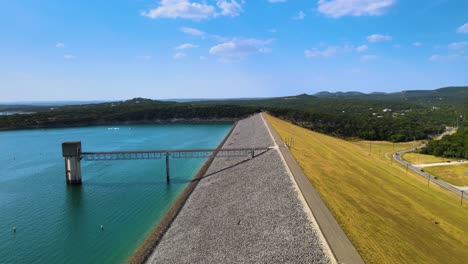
{"type": "Point", "coordinates": [455, 189]}
{"type": "Point", "coordinates": [448, 163]}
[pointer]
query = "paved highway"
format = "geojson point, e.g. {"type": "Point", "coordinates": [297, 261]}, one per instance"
{"type": "Point", "coordinates": [455, 189]}
{"type": "Point", "coordinates": [448, 131]}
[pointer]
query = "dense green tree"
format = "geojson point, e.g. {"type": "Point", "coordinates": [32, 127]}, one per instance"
{"type": "Point", "coordinates": [395, 117]}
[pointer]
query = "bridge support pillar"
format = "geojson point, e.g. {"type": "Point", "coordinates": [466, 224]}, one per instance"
{"type": "Point", "coordinates": [71, 151]}
{"type": "Point", "coordinates": [168, 168]}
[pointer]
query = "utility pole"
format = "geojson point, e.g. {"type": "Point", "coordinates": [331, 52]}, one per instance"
{"type": "Point", "coordinates": [462, 198]}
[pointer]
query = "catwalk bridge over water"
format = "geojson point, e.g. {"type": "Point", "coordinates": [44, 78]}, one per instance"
{"type": "Point", "coordinates": [73, 155]}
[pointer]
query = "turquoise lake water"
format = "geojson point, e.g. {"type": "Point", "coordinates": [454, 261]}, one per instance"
{"type": "Point", "coordinates": [56, 223]}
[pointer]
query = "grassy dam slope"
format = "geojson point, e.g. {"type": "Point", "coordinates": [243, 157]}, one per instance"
{"type": "Point", "coordinates": [390, 215]}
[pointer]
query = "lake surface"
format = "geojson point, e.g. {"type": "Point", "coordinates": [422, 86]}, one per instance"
{"type": "Point", "coordinates": [57, 223]}
{"type": "Point", "coordinates": [14, 113]}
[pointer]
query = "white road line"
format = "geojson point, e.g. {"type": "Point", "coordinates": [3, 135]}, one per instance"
{"type": "Point", "coordinates": [305, 206]}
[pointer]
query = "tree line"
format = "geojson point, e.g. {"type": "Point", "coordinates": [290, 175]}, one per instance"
{"type": "Point", "coordinates": [450, 146]}
{"type": "Point", "coordinates": [394, 120]}
{"type": "Point", "coordinates": [126, 112]}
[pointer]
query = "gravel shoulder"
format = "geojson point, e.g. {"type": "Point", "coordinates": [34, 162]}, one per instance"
{"type": "Point", "coordinates": [440, 164]}
{"type": "Point", "coordinates": [243, 211]}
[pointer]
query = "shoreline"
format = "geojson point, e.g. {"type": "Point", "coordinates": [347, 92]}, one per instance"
{"type": "Point", "coordinates": [146, 248]}
{"type": "Point", "coordinates": [142, 122]}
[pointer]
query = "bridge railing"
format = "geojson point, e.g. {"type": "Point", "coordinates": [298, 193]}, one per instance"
{"type": "Point", "coordinates": [176, 154]}
{"type": "Point", "coordinates": [73, 155]}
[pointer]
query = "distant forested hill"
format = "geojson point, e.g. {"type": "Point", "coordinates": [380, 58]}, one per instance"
{"type": "Point", "coordinates": [396, 117]}
{"type": "Point", "coordinates": [138, 110]}
{"type": "Point", "coordinates": [414, 95]}
{"type": "Point", "coordinates": [403, 116]}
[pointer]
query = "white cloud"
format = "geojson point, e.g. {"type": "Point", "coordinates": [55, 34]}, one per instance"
{"type": "Point", "coordinates": [272, 30]}
{"type": "Point", "coordinates": [456, 52]}
{"type": "Point", "coordinates": [332, 51]}
{"type": "Point", "coordinates": [180, 9]}
{"type": "Point", "coordinates": [447, 58]}
{"type": "Point", "coordinates": [339, 8]}
{"type": "Point", "coordinates": [463, 29]}
{"type": "Point", "coordinates": [189, 9]}
{"type": "Point", "coordinates": [179, 55]}
{"type": "Point", "coordinates": [378, 38]}
{"type": "Point", "coordinates": [69, 57]}
{"type": "Point", "coordinates": [241, 47]}
{"type": "Point", "coordinates": [362, 48]}
{"type": "Point", "coordinates": [192, 31]}
{"type": "Point", "coordinates": [229, 48]}
{"type": "Point", "coordinates": [458, 45]}
{"type": "Point", "coordinates": [328, 52]}
{"type": "Point", "coordinates": [186, 46]}
{"type": "Point", "coordinates": [300, 16]}
{"type": "Point", "coordinates": [198, 33]}
{"type": "Point", "coordinates": [417, 44]}
{"type": "Point", "coordinates": [367, 58]}
{"type": "Point", "coordinates": [276, 1]}
{"type": "Point", "coordinates": [229, 8]}
{"type": "Point", "coordinates": [60, 45]}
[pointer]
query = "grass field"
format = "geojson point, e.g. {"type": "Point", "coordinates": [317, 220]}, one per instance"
{"type": "Point", "coordinates": [384, 149]}
{"type": "Point", "coordinates": [416, 158]}
{"type": "Point", "coordinates": [454, 174]}
{"type": "Point", "coordinates": [389, 216]}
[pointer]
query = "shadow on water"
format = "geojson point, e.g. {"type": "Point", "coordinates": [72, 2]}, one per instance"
{"type": "Point", "coordinates": [174, 181]}
{"type": "Point", "coordinates": [75, 215]}
{"type": "Point", "coordinates": [75, 196]}
{"type": "Point", "coordinates": [76, 190]}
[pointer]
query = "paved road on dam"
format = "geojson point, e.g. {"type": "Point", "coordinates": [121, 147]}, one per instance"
{"type": "Point", "coordinates": [244, 211]}
{"type": "Point", "coordinates": [340, 245]}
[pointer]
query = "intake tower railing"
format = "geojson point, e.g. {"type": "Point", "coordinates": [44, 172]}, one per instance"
{"type": "Point", "coordinates": [73, 156]}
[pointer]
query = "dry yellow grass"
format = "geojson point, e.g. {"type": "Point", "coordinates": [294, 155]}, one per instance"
{"type": "Point", "coordinates": [384, 149]}
{"type": "Point", "coordinates": [416, 158]}
{"type": "Point", "coordinates": [389, 216]}
{"type": "Point", "coordinates": [454, 174]}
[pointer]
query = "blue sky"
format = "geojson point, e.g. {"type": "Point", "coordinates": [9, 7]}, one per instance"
{"type": "Point", "coordinates": [82, 50]}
